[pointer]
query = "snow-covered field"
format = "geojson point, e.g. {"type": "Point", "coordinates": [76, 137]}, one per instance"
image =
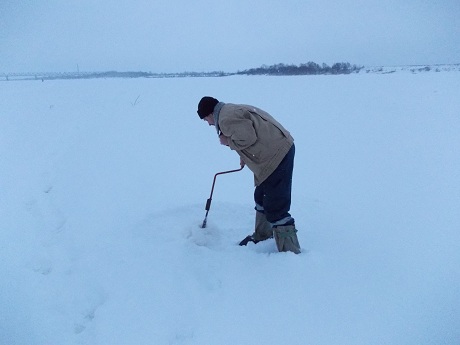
{"type": "Point", "coordinates": [103, 185]}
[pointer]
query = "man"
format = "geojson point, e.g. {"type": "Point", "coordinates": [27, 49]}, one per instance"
{"type": "Point", "coordinates": [267, 148]}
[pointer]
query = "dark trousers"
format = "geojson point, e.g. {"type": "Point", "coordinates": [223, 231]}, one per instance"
{"type": "Point", "coordinates": [273, 196]}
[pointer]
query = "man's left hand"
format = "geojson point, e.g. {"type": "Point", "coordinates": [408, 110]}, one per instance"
{"type": "Point", "coordinates": [223, 140]}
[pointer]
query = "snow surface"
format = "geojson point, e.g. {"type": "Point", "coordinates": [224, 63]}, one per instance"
{"type": "Point", "coordinates": [103, 185]}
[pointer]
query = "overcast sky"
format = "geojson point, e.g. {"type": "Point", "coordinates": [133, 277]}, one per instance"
{"type": "Point", "coordinates": [204, 35]}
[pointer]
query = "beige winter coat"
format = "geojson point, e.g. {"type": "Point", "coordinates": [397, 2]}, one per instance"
{"type": "Point", "coordinates": [260, 140]}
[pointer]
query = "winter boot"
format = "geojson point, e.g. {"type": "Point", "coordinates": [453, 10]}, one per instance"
{"type": "Point", "coordinates": [286, 239]}
{"type": "Point", "coordinates": [263, 231]}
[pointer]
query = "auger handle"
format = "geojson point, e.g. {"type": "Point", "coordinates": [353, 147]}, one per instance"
{"type": "Point", "coordinates": [208, 202]}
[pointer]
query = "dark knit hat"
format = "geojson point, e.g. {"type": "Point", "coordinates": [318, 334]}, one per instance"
{"type": "Point", "coordinates": [206, 106]}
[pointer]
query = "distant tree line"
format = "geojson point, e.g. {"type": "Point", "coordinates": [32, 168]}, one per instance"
{"type": "Point", "coordinates": [308, 68]}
